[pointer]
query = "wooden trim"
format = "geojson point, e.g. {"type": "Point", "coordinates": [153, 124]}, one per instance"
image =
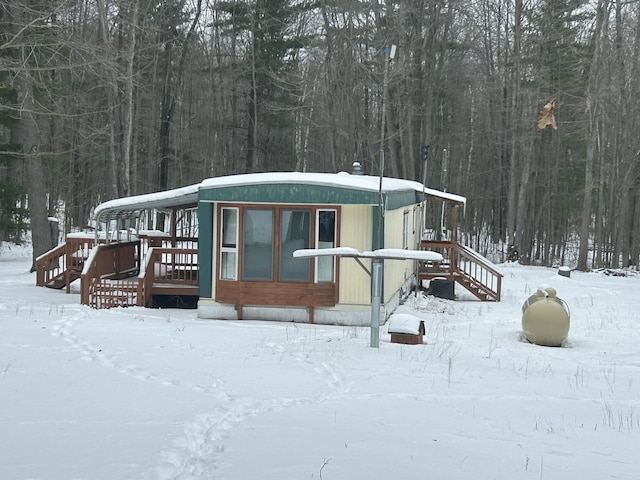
{"type": "Point", "coordinates": [276, 293]}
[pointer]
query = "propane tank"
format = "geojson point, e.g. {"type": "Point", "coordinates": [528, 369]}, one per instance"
{"type": "Point", "coordinates": [545, 318]}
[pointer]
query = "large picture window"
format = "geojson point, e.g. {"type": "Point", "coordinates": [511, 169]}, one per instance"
{"type": "Point", "coordinates": [257, 243]}
{"type": "Point", "coordinates": [295, 231]}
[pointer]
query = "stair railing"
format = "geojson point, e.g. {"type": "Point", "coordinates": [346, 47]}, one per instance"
{"type": "Point", "coordinates": [479, 270]}
{"type": "Point", "coordinates": [50, 265]}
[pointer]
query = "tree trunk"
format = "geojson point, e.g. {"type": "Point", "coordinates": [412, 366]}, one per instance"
{"type": "Point", "coordinates": [29, 135]}
{"type": "Point", "coordinates": [592, 135]}
{"type": "Point", "coordinates": [127, 112]}
{"type": "Point", "coordinates": [112, 93]}
{"type": "Point", "coordinates": [512, 188]}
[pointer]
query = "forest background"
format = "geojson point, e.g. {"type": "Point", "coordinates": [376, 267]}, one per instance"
{"type": "Point", "coordinates": [529, 108]}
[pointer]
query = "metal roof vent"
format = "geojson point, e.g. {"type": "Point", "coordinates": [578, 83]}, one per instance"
{"type": "Point", "coordinates": [356, 169]}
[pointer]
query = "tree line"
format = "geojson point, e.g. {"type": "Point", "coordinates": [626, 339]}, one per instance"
{"type": "Point", "coordinates": [529, 108]}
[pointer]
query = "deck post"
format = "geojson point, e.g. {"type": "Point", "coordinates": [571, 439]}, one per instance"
{"type": "Point", "coordinates": [376, 284]}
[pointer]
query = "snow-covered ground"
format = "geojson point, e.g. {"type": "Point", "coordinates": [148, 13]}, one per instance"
{"type": "Point", "coordinates": [159, 394]}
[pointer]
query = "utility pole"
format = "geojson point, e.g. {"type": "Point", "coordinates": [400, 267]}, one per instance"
{"type": "Point", "coordinates": [424, 152]}
{"type": "Point", "coordinates": [377, 272]}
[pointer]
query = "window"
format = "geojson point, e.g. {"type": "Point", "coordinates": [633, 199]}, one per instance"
{"type": "Point", "coordinates": [257, 244]}
{"type": "Point", "coordinates": [295, 232]}
{"type": "Point", "coordinates": [405, 230]}
{"type": "Point", "coordinates": [325, 238]}
{"type": "Point", "coordinates": [229, 244]}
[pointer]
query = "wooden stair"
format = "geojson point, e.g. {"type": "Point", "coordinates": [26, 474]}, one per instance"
{"type": "Point", "coordinates": [464, 266]}
{"type": "Point", "coordinates": [61, 265]}
{"type": "Point", "coordinates": [477, 289]}
{"type": "Point", "coordinates": [58, 282]}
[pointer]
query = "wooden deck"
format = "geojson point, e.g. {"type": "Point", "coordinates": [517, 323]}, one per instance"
{"type": "Point", "coordinates": [132, 273]}
{"type": "Point", "coordinates": [118, 274]}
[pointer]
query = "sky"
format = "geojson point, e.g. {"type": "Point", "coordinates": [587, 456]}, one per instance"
{"type": "Point", "coordinates": [141, 393]}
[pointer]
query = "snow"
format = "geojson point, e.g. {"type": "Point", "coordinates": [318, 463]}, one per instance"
{"type": "Point", "coordinates": [402, 254]}
{"type": "Point", "coordinates": [404, 323]}
{"type": "Point", "coordinates": [164, 199]}
{"type": "Point", "coordinates": [342, 179]}
{"type": "Point", "coordinates": [159, 394]}
{"type": "Point", "coordinates": [189, 194]}
{"type": "Point", "coordinates": [326, 252]}
{"type": "Point", "coordinates": [390, 253]}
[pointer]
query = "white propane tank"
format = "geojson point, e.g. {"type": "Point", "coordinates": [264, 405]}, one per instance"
{"type": "Point", "coordinates": [545, 318]}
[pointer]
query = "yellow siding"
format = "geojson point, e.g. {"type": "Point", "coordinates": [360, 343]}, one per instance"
{"type": "Point", "coordinates": [396, 272]}
{"type": "Point", "coordinates": [356, 223]}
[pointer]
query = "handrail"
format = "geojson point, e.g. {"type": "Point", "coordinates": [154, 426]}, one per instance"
{"type": "Point", "coordinates": [463, 262]}
{"type": "Point", "coordinates": [50, 265]}
{"type": "Point", "coordinates": [478, 258]}
{"type": "Point", "coordinates": [66, 259]}
{"type": "Point", "coordinates": [479, 269]}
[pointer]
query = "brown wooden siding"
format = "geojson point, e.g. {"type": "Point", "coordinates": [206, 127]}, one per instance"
{"type": "Point", "coordinates": [277, 293]}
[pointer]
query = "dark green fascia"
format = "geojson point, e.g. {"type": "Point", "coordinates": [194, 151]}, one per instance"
{"type": "Point", "coordinates": [394, 200]}
{"type": "Point", "coordinates": [304, 194]}
{"type": "Point", "coordinates": [205, 248]}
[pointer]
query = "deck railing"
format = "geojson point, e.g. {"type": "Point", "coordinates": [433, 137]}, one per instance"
{"type": "Point", "coordinates": [165, 265]}
{"type": "Point", "coordinates": [106, 277]}
{"type": "Point", "coordinates": [112, 274]}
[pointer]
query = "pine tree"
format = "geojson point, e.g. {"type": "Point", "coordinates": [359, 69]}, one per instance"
{"type": "Point", "coordinates": [12, 214]}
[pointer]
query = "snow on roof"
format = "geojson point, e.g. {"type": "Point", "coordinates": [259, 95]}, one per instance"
{"type": "Point", "coordinates": [341, 179]}
{"type": "Point", "coordinates": [450, 197]}
{"type": "Point", "coordinates": [189, 194]}
{"type": "Point", "coordinates": [159, 200]}
{"type": "Point", "coordinates": [388, 253]}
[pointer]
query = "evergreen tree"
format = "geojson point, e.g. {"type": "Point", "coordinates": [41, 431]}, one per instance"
{"type": "Point", "coordinates": [12, 215]}
{"type": "Point", "coordinates": [269, 77]}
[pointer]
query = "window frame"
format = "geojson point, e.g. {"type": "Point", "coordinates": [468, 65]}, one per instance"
{"type": "Point", "coordinates": [276, 234]}
{"type": "Point", "coordinates": [223, 249]}
{"type": "Point", "coordinates": [405, 229]}
{"type": "Point", "coordinates": [317, 245]}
